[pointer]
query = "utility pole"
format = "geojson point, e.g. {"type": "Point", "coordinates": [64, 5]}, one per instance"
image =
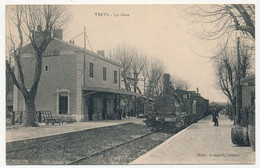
{"type": "Point", "coordinates": [238, 96]}
{"type": "Point", "coordinates": [135, 85]}
{"type": "Point", "coordinates": [84, 69]}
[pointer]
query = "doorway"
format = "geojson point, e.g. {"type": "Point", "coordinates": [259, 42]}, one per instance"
{"type": "Point", "coordinates": [91, 108]}
{"type": "Point", "coordinates": [104, 109]}
{"type": "Point", "coordinates": [63, 104]}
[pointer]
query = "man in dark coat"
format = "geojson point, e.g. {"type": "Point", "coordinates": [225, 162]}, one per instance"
{"type": "Point", "coordinates": [215, 116]}
{"type": "Point", "coordinates": [120, 114]}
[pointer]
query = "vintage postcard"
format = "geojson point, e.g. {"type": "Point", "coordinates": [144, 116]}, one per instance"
{"type": "Point", "coordinates": [129, 84]}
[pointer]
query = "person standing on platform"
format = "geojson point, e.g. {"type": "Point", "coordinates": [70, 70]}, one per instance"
{"type": "Point", "coordinates": [215, 116]}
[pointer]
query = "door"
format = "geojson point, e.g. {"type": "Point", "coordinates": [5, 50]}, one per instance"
{"type": "Point", "coordinates": [63, 104]}
{"type": "Point", "coordinates": [91, 108]}
{"type": "Point", "coordinates": [104, 109]}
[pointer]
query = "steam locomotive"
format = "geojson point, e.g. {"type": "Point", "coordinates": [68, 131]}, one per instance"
{"type": "Point", "coordinates": [176, 109]}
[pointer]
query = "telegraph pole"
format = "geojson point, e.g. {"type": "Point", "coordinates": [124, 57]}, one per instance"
{"type": "Point", "coordinates": [84, 66]}
{"type": "Point", "coordinates": [238, 96]}
{"type": "Point", "coordinates": [135, 85]}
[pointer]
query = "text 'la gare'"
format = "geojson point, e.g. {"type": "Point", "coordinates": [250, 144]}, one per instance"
{"type": "Point", "coordinates": [102, 14]}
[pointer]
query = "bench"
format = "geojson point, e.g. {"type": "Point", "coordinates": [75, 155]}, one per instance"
{"type": "Point", "coordinates": [67, 118]}
{"type": "Point", "coordinates": [39, 116]}
{"type": "Point", "coordinates": [48, 118]}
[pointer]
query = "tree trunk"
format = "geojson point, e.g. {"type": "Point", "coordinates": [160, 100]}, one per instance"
{"type": "Point", "coordinates": [30, 110]}
{"type": "Point", "coordinates": [238, 91]}
{"type": "Point", "coordinates": [234, 112]}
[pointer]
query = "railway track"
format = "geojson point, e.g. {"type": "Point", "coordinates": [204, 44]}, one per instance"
{"type": "Point", "coordinates": [116, 144]}
{"type": "Point", "coordinates": [79, 160]}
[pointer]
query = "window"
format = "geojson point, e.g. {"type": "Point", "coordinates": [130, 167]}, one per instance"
{"type": "Point", "coordinates": [46, 68]}
{"type": "Point", "coordinates": [115, 76]}
{"type": "Point", "coordinates": [91, 69]}
{"type": "Point", "coordinates": [104, 73]}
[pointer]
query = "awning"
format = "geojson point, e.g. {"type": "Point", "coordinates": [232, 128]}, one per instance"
{"type": "Point", "coordinates": [109, 90]}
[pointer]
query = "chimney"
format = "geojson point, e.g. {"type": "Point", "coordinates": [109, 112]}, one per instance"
{"type": "Point", "coordinates": [101, 52]}
{"type": "Point", "coordinates": [37, 33]}
{"type": "Point", "coordinates": [58, 33]}
{"type": "Point", "coordinates": [166, 84]}
{"type": "Point", "coordinates": [197, 91]}
{"type": "Point", "coordinates": [72, 42]}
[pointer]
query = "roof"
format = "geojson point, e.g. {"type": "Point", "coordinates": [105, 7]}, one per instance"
{"type": "Point", "coordinates": [249, 78]}
{"type": "Point", "coordinates": [58, 45]}
{"type": "Point", "coordinates": [200, 97]}
{"type": "Point", "coordinates": [109, 90]}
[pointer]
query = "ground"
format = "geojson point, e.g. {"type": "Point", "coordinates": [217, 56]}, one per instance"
{"type": "Point", "coordinates": [65, 149]}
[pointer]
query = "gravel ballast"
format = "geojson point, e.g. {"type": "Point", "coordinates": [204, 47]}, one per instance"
{"type": "Point", "coordinates": [64, 150]}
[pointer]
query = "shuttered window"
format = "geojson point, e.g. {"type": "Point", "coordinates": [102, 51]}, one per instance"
{"type": "Point", "coordinates": [104, 73]}
{"type": "Point", "coordinates": [115, 76]}
{"type": "Point", "coordinates": [91, 69]}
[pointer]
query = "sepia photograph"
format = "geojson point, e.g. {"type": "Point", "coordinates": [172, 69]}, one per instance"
{"type": "Point", "coordinates": [131, 84]}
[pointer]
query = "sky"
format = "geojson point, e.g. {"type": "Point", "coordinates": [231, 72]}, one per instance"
{"type": "Point", "coordinates": [160, 31]}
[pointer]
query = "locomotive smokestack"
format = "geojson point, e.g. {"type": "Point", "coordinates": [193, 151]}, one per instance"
{"type": "Point", "coordinates": [166, 84]}
{"type": "Point", "coordinates": [197, 91]}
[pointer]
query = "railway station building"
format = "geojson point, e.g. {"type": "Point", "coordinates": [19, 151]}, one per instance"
{"type": "Point", "coordinates": [248, 91]}
{"type": "Point", "coordinates": [74, 81]}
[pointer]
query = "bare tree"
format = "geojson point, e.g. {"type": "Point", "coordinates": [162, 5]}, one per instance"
{"type": "Point", "coordinates": [153, 78]}
{"type": "Point", "coordinates": [133, 62]}
{"type": "Point", "coordinates": [224, 23]}
{"type": "Point", "coordinates": [138, 65]}
{"type": "Point", "coordinates": [226, 71]}
{"type": "Point", "coordinates": [36, 24]}
{"type": "Point", "coordinates": [226, 75]}
{"type": "Point", "coordinates": [124, 56]}
{"type": "Point", "coordinates": [216, 20]}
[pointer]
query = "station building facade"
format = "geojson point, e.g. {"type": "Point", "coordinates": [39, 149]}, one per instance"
{"type": "Point", "coordinates": [248, 91]}
{"type": "Point", "coordinates": [74, 81]}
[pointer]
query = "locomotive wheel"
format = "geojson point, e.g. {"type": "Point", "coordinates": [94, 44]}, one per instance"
{"type": "Point", "coordinates": [153, 129]}
{"type": "Point", "coordinates": [157, 126]}
{"type": "Point", "coordinates": [169, 127]}
{"type": "Point", "coordinates": [148, 123]}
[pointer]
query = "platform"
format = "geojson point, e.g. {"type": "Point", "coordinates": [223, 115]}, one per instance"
{"type": "Point", "coordinates": [201, 143]}
{"type": "Point", "coordinates": [18, 133]}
